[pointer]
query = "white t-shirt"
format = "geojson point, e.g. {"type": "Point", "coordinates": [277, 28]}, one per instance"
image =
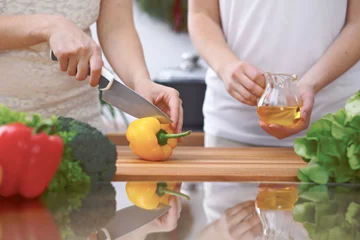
{"type": "Point", "coordinates": [277, 36]}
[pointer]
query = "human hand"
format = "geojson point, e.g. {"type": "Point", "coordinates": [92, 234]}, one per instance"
{"type": "Point", "coordinates": [165, 223]}
{"type": "Point", "coordinates": [244, 82]}
{"type": "Point", "coordinates": [306, 95]}
{"type": "Point", "coordinates": [238, 222]}
{"type": "Point", "coordinates": [166, 98]}
{"type": "Point", "coordinates": [168, 221]}
{"type": "Point", "coordinates": [75, 50]}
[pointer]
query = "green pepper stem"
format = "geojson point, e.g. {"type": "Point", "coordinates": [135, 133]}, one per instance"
{"type": "Point", "coordinates": [162, 189]}
{"type": "Point", "coordinates": [163, 136]}
{"type": "Point", "coordinates": [179, 194]}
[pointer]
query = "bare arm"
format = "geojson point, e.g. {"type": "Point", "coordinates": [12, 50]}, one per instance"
{"type": "Point", "coordinates": [24, 31]}
{"type": "Point", "coordinates": [209, 41]}
{"type": "Point", "coordinates": [242, 80]}
{"type": "Point", "coordinates": [341, 55]}
{"type": "Point", "coordinates": [120, 41]}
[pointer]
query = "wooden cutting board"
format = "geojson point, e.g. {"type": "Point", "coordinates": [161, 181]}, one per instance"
{"type": "Point", "coordinates": [194, 163]}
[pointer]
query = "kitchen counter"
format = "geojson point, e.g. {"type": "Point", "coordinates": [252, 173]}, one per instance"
{"type": "Point", "coordinates": [216, 210]}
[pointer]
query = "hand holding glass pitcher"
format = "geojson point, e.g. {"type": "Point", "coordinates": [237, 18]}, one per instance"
{"type": "Point", "coordinates": [285, 107]}
{"type": "Point", "coordinates": [244, 82]}
{"type": "Point", "coordinates": [284, 104]}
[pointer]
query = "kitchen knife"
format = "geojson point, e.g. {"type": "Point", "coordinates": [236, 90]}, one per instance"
{"type": "Point", "coordinates": [129, 219]}
{"type": "Point", "coordinates": [124, 98]}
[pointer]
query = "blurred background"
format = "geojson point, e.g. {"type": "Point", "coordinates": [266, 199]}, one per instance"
{"type": "Point", "coordinates": [170, 58]}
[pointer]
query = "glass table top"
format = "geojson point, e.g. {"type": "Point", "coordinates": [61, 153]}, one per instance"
{"type": "Point", "coordinates": [215, 210]}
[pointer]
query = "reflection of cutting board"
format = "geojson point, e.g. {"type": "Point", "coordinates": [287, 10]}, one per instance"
{"type": "Point", "coordinates": [212, 164]}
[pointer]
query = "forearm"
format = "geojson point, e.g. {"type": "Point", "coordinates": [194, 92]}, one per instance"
{"type": "Point", "coordinates": [123, 50]}
{"type": "Point", "coordinates": [23, 31]}
{"type": "Point", "coordinates": [342, 54]}
{"type": "Point", "coordinates": [210, 41]}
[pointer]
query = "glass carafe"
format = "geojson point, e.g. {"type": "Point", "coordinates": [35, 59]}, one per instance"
{"type": "Point", "coordinates": [274, 204]}
{"type": "Point", "coordinates": [279, 103]}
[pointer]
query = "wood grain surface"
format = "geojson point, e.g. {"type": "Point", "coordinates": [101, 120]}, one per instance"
{"type": "Point", "coordinates": [196, 163]}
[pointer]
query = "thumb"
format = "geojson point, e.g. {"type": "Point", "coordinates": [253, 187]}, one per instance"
{"type": "Point", "coordinates": [307, 106]}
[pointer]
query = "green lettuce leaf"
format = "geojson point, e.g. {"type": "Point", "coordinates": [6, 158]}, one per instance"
{"type": "Point", "coordinates": [332, 146]}
{"type": "Point", "coordinates": [352, 108]}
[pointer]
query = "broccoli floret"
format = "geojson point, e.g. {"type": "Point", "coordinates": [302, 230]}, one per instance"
{"type": "Point", "coordinates": [92, 216]}
{"type": "Point", "coordinates": [95, 151]}
{"type": "Point", "coordinates": [79, 214]}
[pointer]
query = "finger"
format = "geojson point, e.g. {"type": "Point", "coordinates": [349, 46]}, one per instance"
{"type": "Point", "coordinates": [72, 66]}
{"type": "Point", "coordinates": [241, 99]}
{"type": "Point", "coordinates": [253, 233]}
{"type": "Point", "coordinates": [247, 225]}
{"type": "Point", "coordinates": [242, 214]}
{"type": "Point", "coordinates": [160, 104]}
{"type": "Point", "coordinates": [235, 209]}
{"type": "Point", "coordinates": [260, 79]}
{"type": "Point", "coordinates": [308, 104]}
{"type": "Point", "coordinates": [179, 206]}
{"type": "Point", "coordinates": [180, 123]}
{"type": "Point", "coordinates": [82, 69]}
{"type": "Point", "coordinates": [178, 185]}
{"type": "Point", "coordinates": [96, 64]}
{"type": "Point", "coordinates": [249, 84]}
{"type": "Point", "coordinates": [256, 75]}
{"type": "Point", "coordinates": [63, 61]}
{"type": "Point", "coordinates": [238, 86]}
{"type": "Point", "coordinates": [172, 216]}
{"type": "Point", "coordinates": [281, 132]}
{"type": "Point", "coordinates": [178, 199]}
{"type": "Point", "coordinates": [174, 105]}
{"type": "Point", "coordinates": [266, 128]}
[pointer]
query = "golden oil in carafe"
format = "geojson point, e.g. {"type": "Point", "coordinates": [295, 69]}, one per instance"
{"type": "Point", "coordinates": [277, 198]}
{"type": "Point", "coordinates": [280, 115]}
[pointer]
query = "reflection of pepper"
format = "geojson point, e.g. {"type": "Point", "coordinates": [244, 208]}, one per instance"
{"type": "Point", "coordinates": [26, 219]}
{"type": "Point", "coordinates": [149, 195]}
{"type": "Point", "coordinates": [0, 175]}
{"type": "Point", "coordinates": [151, 140]}
{"type": "Point", "coordinates": [29, 158]}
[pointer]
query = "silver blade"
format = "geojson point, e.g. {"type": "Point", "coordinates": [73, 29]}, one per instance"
{"type": "Point", "coordinates": [129, 219]}
{"type": "Point", "coordinates": [125, 99]}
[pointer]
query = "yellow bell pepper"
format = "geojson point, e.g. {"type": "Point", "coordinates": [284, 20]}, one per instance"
{"type": "Point", "coordinates": [148, 195]}
{"type": "Point", "coordinates": [151, 140]}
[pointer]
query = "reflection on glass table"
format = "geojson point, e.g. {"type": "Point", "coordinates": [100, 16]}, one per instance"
{"type": "Point", "coordinates": [215, 210]}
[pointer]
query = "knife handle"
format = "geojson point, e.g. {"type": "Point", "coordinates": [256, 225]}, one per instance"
{"type": "Point", "coordinates": [106, 79]}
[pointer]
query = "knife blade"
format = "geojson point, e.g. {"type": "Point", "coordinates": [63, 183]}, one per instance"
{"type": "Point", "coordinates": [124, 98]}
{"type": "Point", "coordinates": [129, 219]}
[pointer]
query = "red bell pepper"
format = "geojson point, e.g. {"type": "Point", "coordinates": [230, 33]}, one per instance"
{"type": "Point", "coordinates": [26, 219]}
{"type": "Point", "coordinates": [29, 159]}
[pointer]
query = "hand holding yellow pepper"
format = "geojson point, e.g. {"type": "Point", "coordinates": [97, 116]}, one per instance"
{"type": "Point", "coordinates": [151, 140]}
{"type": "Point", "coordinates": [148, 195]}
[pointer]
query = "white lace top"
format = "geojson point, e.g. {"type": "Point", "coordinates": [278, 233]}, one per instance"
{"type": "Point", "coordinates": [30, 81]}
